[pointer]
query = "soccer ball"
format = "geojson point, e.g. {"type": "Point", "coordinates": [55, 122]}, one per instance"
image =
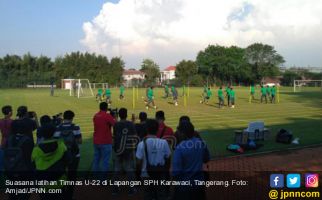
{"type": "Point", "coordinates": [176, 104]}
{"type": "Point", "coordinates": [147, 107]}
{"type": "Point", "coordinates": [233, 106]}
{"type": "Point", "coordinates": [200, 101]}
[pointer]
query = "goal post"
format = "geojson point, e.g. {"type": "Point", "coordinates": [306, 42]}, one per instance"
{"type": "Point", "coordinates": [300, 84]}
{"type": "Point", "coordinates": [99, 85]}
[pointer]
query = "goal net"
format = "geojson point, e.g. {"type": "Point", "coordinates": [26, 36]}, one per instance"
{"type": "Point", "coordinates": [307, 85]}
{"type": "Point", "coordinates": [81, 88]}
{"type": "Point", "coordinates": [99, 85]}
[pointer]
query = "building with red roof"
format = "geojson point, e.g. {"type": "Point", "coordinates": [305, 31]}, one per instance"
{"type": "Point", "coordinates": [132, 77]}
{"type": "Point", "coordinates": [168, 73]}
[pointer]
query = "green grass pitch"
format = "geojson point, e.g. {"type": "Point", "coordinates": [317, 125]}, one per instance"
{"type": "Point", "coordinates": [299, 112]}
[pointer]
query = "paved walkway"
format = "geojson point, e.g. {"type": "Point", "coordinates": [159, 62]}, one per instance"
{"type": "Point", "coordinates": [308, 159]}
{"type": "Point", "coordinates": [254, 169]}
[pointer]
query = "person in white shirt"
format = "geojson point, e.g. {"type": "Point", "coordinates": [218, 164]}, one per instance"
{"type": "Point", "coordinates": [158, 155]}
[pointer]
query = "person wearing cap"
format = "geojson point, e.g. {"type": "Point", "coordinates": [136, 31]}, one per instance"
{"type": "Point", "coordinates": [26, 121]}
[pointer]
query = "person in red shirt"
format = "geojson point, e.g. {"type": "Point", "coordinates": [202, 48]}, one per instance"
{"type": "Point", "coordinates": [5, 128]}
{"type": "Point", "coordinates": [5, 124]}
{"type": "Point", "coordinates": [103, 123]}
{"type": "Point", "coordinates": [164, 130]}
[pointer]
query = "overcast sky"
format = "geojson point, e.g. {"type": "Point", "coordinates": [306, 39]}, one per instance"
{"type": "Point", "coordinates": [166, 31]}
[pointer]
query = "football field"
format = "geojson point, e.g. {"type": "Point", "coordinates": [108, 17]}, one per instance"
{"type": "Point", "coordinates": [299, 112]}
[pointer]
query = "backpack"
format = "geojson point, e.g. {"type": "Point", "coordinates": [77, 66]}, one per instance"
{"type": "Point", "coordinates": [284, 136]}
{"type": "Point", "coordinates": [13, 155]}
{"type": "Point", "coordinates": [67, 134]}
{"type": "Point", "coordinates": [153, 171]}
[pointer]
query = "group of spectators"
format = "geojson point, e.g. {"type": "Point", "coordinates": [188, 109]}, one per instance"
{"type": "Point", "coordinates": [54, 156]}
{"type": "Point", "coordinates": [145, 150]}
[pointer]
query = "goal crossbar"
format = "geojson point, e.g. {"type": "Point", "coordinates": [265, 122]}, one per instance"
{"type": "Point", "coordinates": [300, 83]}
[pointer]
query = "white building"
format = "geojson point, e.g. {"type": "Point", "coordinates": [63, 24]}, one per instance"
{"type": "Point", "coordinates": [168, 73]}
{"type": "Point", "coordinates": [133, 77]}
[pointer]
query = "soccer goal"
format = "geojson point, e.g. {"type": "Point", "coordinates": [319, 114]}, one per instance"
{"type": "Point", "coordinates": [99, 85]}
{"type": "Point", "coordinates": [307, 85]}
{"type": "Point", "coordinates": [81, 88]}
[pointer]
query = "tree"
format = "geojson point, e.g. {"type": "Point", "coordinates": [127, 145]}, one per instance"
{"type": "Point", "coordinates": [209, 61]}
{"type": "Point", "coordinates": [117, 67]}
{"type": "Point", "coordinates": [96, 68]}
{"type": "Point", "coordinates": [223, 64]}
{"type": "Point", "coordinates": [185, 70]}
{"type": "Point", "coordinates": [264, 60]}
{"type": "Point", "coordinates": [151, 70]}
{"type": "Point", "coordinates": [289, 77]}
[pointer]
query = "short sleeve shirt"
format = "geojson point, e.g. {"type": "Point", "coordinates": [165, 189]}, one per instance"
{"type": "Point", "coordinates": [69, 126]}
{"type": "Point", "coordinates": [158, 151]}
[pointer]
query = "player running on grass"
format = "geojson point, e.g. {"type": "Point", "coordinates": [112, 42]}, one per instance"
{"type": "Point", "coordinates": [207, 97]}
{"type": "Point", "coordinates": [264, 93]}
{"type": "Point", "coordinates": [221, 97]}
{"type": "Point", "coordinates": [150, 98]}
{"type": "Point", "coordinates": [175, 95]}
{"type": "Point", "coordinates": [99, 95]}
{"type": "Point", "coordinates": [122, 89]}
{"type": "Point", "coordinates": [232, 97]}
{"type": "Point", "coordinates": [166, 91]}
{"type": "Point", "coordinates": [108, 96]}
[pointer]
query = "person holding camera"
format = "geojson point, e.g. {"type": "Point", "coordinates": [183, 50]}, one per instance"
{"type": "Point", "coordinates": [71, 134]}
{"type": "Point", "coordinates": [18, 149]}
{"type": "Point", "coordinates": [26, 121]}
{"type": "Point", "coordinates": [102, 138]}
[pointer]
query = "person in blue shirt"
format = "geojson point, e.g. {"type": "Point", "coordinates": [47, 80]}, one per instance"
{"type": "Point", "coordinates": [187, 164]}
